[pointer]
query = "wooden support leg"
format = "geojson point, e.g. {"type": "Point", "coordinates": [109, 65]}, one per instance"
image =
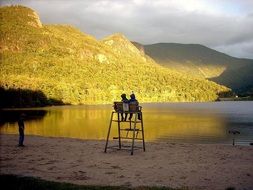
{"type": "Point", "coordinates": [119, 131]}
{"type": "Point", "coordinates": [142, 130]}
{"type": "Point", "coordinates": [135, 120]}
{"type": "Point", "coordinates": [109, 130]}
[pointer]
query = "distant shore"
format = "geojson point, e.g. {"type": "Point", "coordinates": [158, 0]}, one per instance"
{"type": "Point", "coordinates": [163, 164]}
{"type": "Point", "coordinates": [245, 98]}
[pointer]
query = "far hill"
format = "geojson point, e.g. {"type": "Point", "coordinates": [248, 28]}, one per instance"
{"type": "Point", "coordinates": [201, 61]}
{"type": "Point", "coordinates": [61, 64]}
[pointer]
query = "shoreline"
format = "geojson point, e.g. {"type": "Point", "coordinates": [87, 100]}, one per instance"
{"type": "Point", "coordinates": [83, 162]}
{"type": "Point", "coordinates": [146, 141]}
{"type": "Point", "coordinates": [240, 99]}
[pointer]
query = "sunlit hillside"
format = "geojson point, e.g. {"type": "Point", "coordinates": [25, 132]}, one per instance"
{"type": "Point", "coordinates": [60, 63]}
{"type": "Point", "coordinates": [200, 61]}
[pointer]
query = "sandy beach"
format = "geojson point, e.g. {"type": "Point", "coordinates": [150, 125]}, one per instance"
{"type": "Point", "coordinates": [196, 166]}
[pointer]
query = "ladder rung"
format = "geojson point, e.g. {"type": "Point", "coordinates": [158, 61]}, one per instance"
{"type": "Point", "coordinates": [128, 138]}
{"type": "Point", "coordinates": [129, 146]}
{"type": "Point", "coordinates": [130, 130]}
{"type": "Point", "coordinates": [123, 147]}
{"type": "Point", "coordinates": [126, 121]}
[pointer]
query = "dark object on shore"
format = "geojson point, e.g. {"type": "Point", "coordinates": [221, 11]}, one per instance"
{"type": "Point", "coordinates": [11, 182]}
{"type": "Point", "coordinates": [251, 144]}
{"type": "Point", "coordinates": [230, 188]}
{"type": "Point", "coordinates": [21, 129]}
{"type": "Point", "coordinates": [234, 132]}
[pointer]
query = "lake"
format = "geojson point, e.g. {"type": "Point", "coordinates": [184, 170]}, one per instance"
{"type": "Point", "coordinates": [173, 122]}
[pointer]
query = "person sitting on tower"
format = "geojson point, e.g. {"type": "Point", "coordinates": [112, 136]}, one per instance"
{"type": "Point", "coordinates": [133, 100]}
{"type": "Point", "coordinates": [125, 101]}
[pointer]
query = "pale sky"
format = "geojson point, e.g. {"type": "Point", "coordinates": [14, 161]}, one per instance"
{"type": "Point", "coordinates": [224, 25]}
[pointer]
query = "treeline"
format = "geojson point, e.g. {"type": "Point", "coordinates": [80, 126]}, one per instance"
{"type": "Point", "coordinates": [24, 98]}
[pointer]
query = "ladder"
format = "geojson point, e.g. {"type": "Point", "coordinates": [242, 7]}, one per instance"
{"type": "Point", "coordinates": [135, 127]}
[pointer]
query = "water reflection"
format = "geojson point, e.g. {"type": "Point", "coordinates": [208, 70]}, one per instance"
{"type": "Point", "coordinates": [178, 122]}
{"type": "Point", "coordinates": [12, 115]}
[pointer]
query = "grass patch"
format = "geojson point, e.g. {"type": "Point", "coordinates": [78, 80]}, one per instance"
{"type": "Point", "coordinates": [12, 182]}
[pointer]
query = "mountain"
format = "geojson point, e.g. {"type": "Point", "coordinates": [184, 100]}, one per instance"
{"type": "Point", "coordinates": [201, 61]}
{"type": "Point", "coordinates": [44, 64]}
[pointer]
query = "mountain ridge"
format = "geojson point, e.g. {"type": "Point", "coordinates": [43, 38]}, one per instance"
{"type": "Point", "coordinates": [69, 66]}
{"type": "Point", "coordinates": [201, 61]}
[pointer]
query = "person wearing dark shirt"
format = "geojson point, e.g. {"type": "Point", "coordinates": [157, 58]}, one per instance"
{"type": "Point", "coordinates": [133, 100]}
{"type": "Point", "coordinates": [124, 100]}
{"type": "Point", "coordinates": [21, 128]}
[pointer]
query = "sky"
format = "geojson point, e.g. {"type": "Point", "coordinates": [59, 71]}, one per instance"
{"type": "Point", "coordinates": [223, 25]}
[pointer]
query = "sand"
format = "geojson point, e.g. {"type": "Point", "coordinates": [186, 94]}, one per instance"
{"type": "Point", "coordinates": [197, 166]}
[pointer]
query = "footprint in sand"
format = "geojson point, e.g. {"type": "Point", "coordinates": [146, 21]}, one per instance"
{"type": "Point", "coordinates": [52, 168]}
{"type": "Point", "coordinates": [116, 167]}
{"type": "Point", "coordinates": [7, 159]}
{"type": "Point", "coordinates": [78, 176]}
{"type": "Point", "coordinates": [74, 165]}
{"type": "Point", "coordinates": [183, 177]}
{"type": "Point", "coordinates": [127, 184]}
{"type": "Point", "coordinates": [109, 173]}
{"type": "Point", "coordinates": [51, 162]}
{"type": "Point", "coordinates": [40, 159]}
{"type": "Point", "coordinates": [92, 166]}
{"type": "Point", "coordinates": [82, 178]}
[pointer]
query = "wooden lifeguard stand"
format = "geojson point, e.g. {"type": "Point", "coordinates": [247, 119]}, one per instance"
{"type": "Point", "coordinates": [135, 126]}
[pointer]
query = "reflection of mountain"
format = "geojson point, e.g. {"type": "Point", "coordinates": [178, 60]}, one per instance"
{"type": "Point", "coordinates": [204, 62]}
{"type": "Point", "coordinates": [73, 67]}
{"type": "Point", "coordinates": [13, 115]}
{"type": "Point", "coordinates": [182, 122]}
{"type": "Point", "coordinates": [91, 122]}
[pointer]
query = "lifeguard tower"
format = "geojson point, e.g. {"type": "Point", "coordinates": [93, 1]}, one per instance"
{"type": "Point", "coordinates": [124, 133]}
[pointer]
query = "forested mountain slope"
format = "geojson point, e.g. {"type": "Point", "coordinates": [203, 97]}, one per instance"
{"type": "Point", "coordinates": [200, 61]}
{"type": "Point", "coordinates": [64, 64]}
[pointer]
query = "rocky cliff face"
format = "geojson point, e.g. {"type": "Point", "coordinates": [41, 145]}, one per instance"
{"type": "Point", "coordinates": [35, 20]}
{"type": "Point", "coordinates": [120, 43]}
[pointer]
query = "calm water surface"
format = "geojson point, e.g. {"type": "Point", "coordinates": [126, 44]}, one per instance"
{"type": "Point", "coordinates": [174, 122]}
